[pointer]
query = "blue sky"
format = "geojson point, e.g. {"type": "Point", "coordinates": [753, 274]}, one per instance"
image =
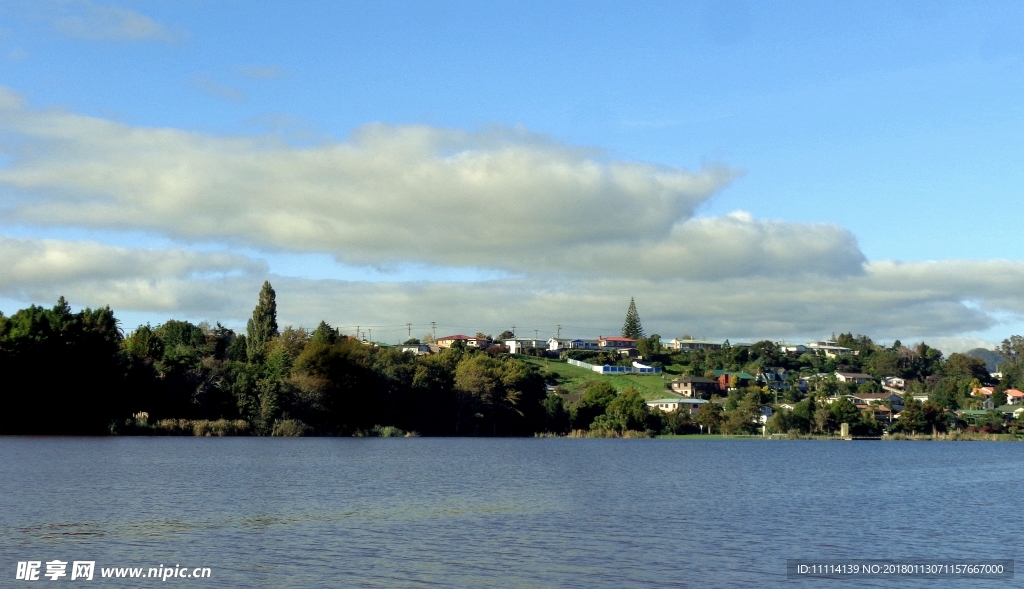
{"type": "Point", "coordinates": [855, 135]}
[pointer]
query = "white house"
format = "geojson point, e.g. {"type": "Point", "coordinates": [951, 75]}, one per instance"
{"type": "Point", "coordinates": [688, 343]}
{"type": "Point", "coordinates": [417, 349]}
{"type": "Point", "coordinates": [869, 398]}
{"type": "Point", "coordinates": [854, 377]}
{"type": "Point", "coordinates": [894, 382]}
{"type": "Point", "coordinates": [670, 405]}
{"type": "Point", "coordinates": [1014, 397]}
{"type": "Point", "coordinates": [519, 345]}
{"type": "Point", "coordinates": [559, 344]}
{"type": "Point", "coordinates": [829, 348]}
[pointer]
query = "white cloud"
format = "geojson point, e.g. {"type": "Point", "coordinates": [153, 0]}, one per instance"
{"type": "Point", "coordinates": [180, 283]}
{"type": "Point", "coordinates": [720, 247]}
{"type": "Point", "coordinates": [496, 199]}
{"type": "Point", "coordinates": [579, 233]}
{"type": "Point", "coordinates": [750, 308]}
{"type": "Point", "coordinates": [135, 279]}
{"type": "Point", "coordinates": [218, 90]}
{"type": "Point", "coordinates": [94, 22]}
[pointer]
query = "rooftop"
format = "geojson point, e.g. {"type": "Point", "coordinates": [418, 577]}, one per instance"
{"type": "Point", "coordinates": [695, 379]}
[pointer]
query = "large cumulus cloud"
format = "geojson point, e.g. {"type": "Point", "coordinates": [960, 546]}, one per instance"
{"type": "Point", "coordinates": [495, 199]}
{"type": "Point", "coordinates": [574, 232]}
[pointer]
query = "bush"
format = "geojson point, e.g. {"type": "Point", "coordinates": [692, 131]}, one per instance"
{"type": "Point", "coordinates": [609, 433]}
{"type": "Point", "coordinates": [201, 427]}
{"type": "Point", "coordinates": [387, 431]}
{"type": "Point", "coordinates": [290, 428]}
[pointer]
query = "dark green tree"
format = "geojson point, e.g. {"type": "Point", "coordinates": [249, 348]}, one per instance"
{"type": "Point", "coordinates": [710, 416]}
{"type": "Point", "coordinates": [556, 415]}
{"type": "Point", "coordinates": [632, 328]}
{"type": "Point", "coordinates": [844, 411]}
{"type": "Point", "coordinates": [594, 402]}
{"type": "Point", "coordinates": [627, 411]}
{"type": "Point", "coordinates": [999, 396]}
{"type": "Point", "coordinates": [1012, 350]}
{"type": "Point", "coordinates": [63, 371]}
{"type": "Point", "coordinates": [325, 334]}
{"type": "Point", "coordinates": [263, 325]}
{"type": "Point", "coordinates": [912, 419]}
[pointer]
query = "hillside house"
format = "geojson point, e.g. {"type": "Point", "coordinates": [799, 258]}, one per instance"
{"type": "Point", "coordinates": [885, 398]}
{"type": "Point", "coordinates": [689, 405]}
{"type": "Point", "coordinates": [471, 342]}
{"type": "Point", "coordinates": [829, 349]}
{"type": "Point", "coordinates": [854, 377]}
{"type": "Point", "coordinates": [685, 343]}
{"type": "Point", "coordinates": [615, 342]}
{"type": "Point", "coordinates": [894, 382]}
{"type": "Point", "coordinates": [519, 345]}
{"type": "Point", "coordinates": [559, 344]}
{"type": "Point", "coordinates": [417, 349]}
{"type": "Point", "coordinates": [696, 387]}
{"type": "Point", "coordinates": [734, 380]}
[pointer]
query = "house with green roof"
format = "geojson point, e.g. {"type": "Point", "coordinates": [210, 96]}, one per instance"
{"type": "Point", "coordinates": [734, 380]}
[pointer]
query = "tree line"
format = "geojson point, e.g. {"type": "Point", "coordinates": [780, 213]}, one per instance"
{"type": "Point", "coordinates": [77, 373]}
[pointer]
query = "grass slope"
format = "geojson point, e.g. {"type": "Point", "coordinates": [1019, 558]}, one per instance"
{"type": "Point", "coordinates": [576, 379]}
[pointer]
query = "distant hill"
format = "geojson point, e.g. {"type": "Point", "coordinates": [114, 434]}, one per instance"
{"type": "Point", "coordinates": [992, 359]}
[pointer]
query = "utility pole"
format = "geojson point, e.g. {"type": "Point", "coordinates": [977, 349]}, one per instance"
{"type": "Point", "coordinates": [371, 336]}
{"type": "Point", "coordinates": [409, 327]}
{"type": "Point", "coordinates": [559, 336]}
{"type": "Point", "coordinates": [535, 334]}
{"type": "Point", "coordinates": [433, 330]}
{"type": "Point", "coordinates": [513, 331]}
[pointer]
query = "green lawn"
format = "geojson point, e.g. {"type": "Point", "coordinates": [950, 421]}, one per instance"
{"type": "Point", "coordinates": [576, 379]}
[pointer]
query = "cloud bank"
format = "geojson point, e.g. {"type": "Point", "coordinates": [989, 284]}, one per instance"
{"type": "Point", "coordinates": [577, 233]}
{"type": "Point", "coordinates": [176, 280]}
{"type": "Point", "coordinates": [93, 22]}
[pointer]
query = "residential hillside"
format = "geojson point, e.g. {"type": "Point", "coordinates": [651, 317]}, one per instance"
{"type": "Point", "coordinates": [72, 372]}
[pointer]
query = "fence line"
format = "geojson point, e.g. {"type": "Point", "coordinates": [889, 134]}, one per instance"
{"type": "Point", "coordinates": [608, 369]}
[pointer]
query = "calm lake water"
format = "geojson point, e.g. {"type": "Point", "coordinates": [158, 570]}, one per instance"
{"type": "Point", "coordinates": [425, 512]}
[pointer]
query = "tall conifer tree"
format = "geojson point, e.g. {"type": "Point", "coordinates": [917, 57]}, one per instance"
{"type": "Point", "coordinates": [263, 325]}
{"type": "Point", "coordinates": [632, 328]}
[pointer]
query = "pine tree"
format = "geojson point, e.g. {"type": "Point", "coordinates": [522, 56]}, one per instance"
{"type": "Point", "coordinates": [324, 334]}
{"type": "Point", "coordinates": [263, 325]}
{"type": "Point", "coordinates": [632, 328]}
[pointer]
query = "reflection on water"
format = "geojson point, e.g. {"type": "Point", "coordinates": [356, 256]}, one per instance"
{"type": "Point", "coordinates": [423, 512]}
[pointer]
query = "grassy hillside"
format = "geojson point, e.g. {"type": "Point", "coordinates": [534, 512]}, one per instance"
{"type": "Point", "coordinates": [576, 379]}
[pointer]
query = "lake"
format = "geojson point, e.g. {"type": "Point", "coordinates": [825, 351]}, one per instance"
{"type": "Point", "coordinates": [443, 512]}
